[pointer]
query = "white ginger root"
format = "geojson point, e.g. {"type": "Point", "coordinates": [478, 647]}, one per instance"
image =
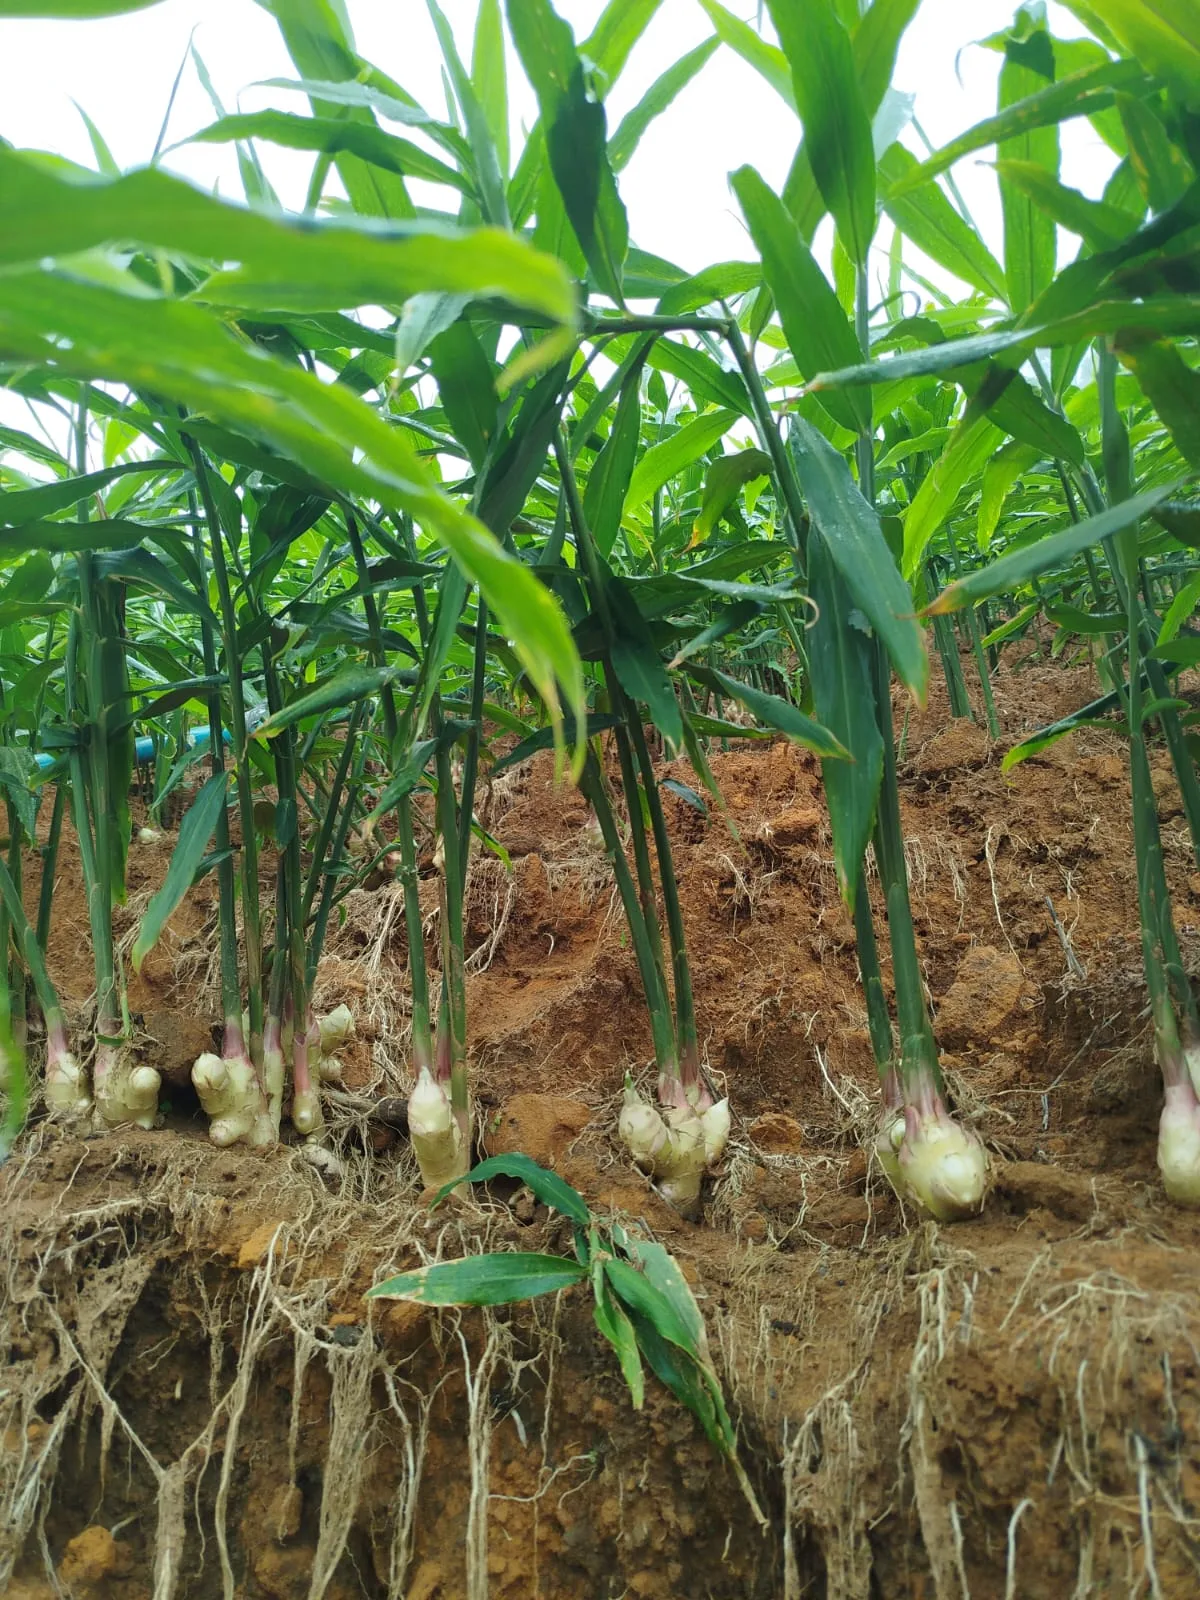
{"type": "Point", "coordinates": [670, 1145]}
{"type": "Point", "coordinates": [437, 1139]}
{"type": "Point", "coordinates": [231, 1097]}
{"type": "Point", "coordinates": [715, 1122]}
{"type": "Point", "coordinates": [1179, 1144]}
{"type": "Point", "coordinates": [66, 1087]}
{"type": "Point", "coordinates": [336, 1028]}
{"type": "Point", "coordinates": [123, 1093]}
{"type": "Point", "coordinates": [307, 1116]}
{"type": "Point", "coordinates": [943, 1165]}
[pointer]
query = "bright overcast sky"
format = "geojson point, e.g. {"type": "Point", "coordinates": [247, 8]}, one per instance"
{"type": "Point", "coordinates": [121, 70]}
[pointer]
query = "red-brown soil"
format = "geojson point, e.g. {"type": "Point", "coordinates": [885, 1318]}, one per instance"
{"type": "Point", "coordinates": [1007, 1407]}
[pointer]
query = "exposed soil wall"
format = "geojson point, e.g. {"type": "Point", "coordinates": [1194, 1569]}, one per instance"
{"type": "Point", "coordinates": [198, 1402]}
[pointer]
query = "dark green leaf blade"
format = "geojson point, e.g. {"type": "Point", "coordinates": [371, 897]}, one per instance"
{"type": "Point", "coordinates": [195, 832]}
{"type": "Point", "coordinates": [492, 1280]}
{"type": "Point", "coordinates": [860, 552]}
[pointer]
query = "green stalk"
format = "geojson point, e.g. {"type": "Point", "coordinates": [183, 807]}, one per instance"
{"type": "Point", "coordinates": [591, 784]}
{"type": "Point", "coordinates": [422, 1031]}
{"type": "Point", "coordinates": [251, 914]}
{"type": "Point", "coordinates": [685, 1005]}
{"type": "Point", "coordinates": [14, 999]}
{"type": "Point", "coordinates": [231, 977]}
{"type": "Point", "coordinates": [879, 1023]}
{"type": "Point", "coordinates": [981, 666]}
{"type": "Point", "coordinates": [453, 963]}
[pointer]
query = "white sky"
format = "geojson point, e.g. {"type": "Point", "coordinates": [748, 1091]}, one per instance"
{"type": "Point", "coordinates": [121, 70]}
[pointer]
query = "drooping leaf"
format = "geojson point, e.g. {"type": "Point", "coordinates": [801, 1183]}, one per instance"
{"type": "Point", "coordinates": [722, 482]}
{"type": "Point", "coordinates": [547, 1186]}
{"type": "Point", "coordinates": [771, 712]}
{"type": "Point", "coordinates": [639, 666]}
{"type": "Point", "coordinates": [927, 218]}
{"type": "Point", "coordinates": [182, 353]}
{"type": "Point", "coordinates": [329, 266]}
{"type": "Point", "coordinates": [331, 136]}
{"type": "Point", "coordinates": [860, 552]}
{"type": "Point", "coordinates": [195, 834]}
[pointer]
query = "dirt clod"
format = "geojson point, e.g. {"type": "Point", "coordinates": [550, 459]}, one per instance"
{"type": "Point", "coordinates": [542, 1126]}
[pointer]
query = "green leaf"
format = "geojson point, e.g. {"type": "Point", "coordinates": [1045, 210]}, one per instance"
{"type": "Point", "coordinates": [771, 712]}
{"type": "Point", "coordinates": [860, 552]}
{"type": "Point", "coordinates": [1100, 225]}
{"type": "Point", "coordinates": [612, 471]}
{"type": "Point", "coordinates": [837, 126]}
{"type": "Point", "coordinates": [1020, 411]}
{"type": "Point", "coordinates": [31, 505]}
{"type": "Point", "coordinates": [1007, 574]}
{"type": "Point", "coordinates": [492, 1280]}
{"type": "Point", "coordinates": [839, 662]}
{"type": "Point", "coordinates": [576, 139]}
{"type": "Point", "coordinates": [655, 101]}
{"type": "Point", "coordinates": [934, 226]}
{"type": "Point", "coordinates": [1080, 94]}
{"type": "Point", "coordinates": [725, 477]}
{"type": "Point", "coordinates": [319, 39]}
{"type": "Point", "coordinates": [814, 324]}
{"type": "Point", "coordinates": [672, 1321]}
{"type": "Point", "coordinates": [548, 1187]}
{"type": "Point", "coordinates": [639, 666]}
{"type": "Point", "coordinates": [667, 460]}
{"type": "Point", "coordinates": [111, 534]}
{"type": "Point", "coordinates": [344, 689]}
{"type": "Point", "coordinates": [614, 1324]}
{"type": "Point", "coordinates": [489, 76]}
{"type": "Point", "coordinates": [195, 833]}
{"type": "Point", "coordinates": [492, 197]}
{"type": "Point", "coordinates": [1030, 238]}
{"type": "Point", "coordinates": [309, 266]}
{"type": "Point", "coordinates": [763, 57]}
{"type": "Point", "coordinates": [970, 447]}
{"type": "Point", "coordinates": [72, 10]}
{"type": "Point", "coordinates": [332, 136]}
{"type": "Point", "coordinates": [707, 381]}
{"type": "Point", "coordinates": [1180, 609]}
{"type": "Point", "coordinates": [466, 387]}
{"type": "Point", "coordinates": [183, 354]}
{"type": "Point", "coordinates": [1163, 35]}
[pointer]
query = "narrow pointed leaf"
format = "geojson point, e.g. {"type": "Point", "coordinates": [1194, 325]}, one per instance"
{"type": "Point", "coordinates": [655, 101]}
{"type": "Point", "coordinates": [195, 833]}
{"type": "Point", "coordinates": [494, 1280]}
{"type": "Point", "coordinates": [837, 125]}
{"type": "Point", "coordinates": [927, 218]}
{"type": "Point", "coordinates": [547, 1186]}
{"type": "Point", "coordinates": [1007, 574]}
{"type": "Point", "coordinates": [771, 712]}
{"type": "Point", "coordinates": [1030, 236]}
{"type": "Point", "coordinates": [839, 660]}
{"type": "Point", "coordinates": [726, 476]}
{"type": "Point", "coordinates": [608, 482]}
{"type": "Point", "coordinates": [664, 461]}
{"type": "Point", "coordinates": [814, 324]}
{"type": "Point", "coordinates": [860, 552]}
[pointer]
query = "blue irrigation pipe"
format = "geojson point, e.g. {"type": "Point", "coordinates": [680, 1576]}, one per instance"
{"type": "Point", "coordinates": [144, 747]}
